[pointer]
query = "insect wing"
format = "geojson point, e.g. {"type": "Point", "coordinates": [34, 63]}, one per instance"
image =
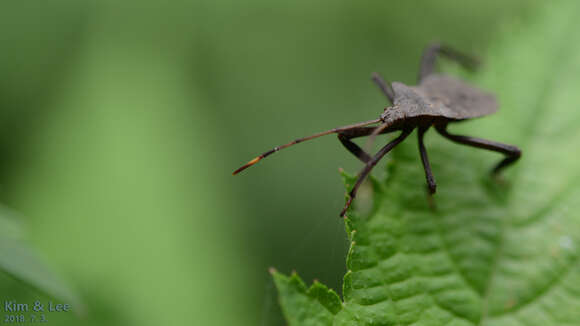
{"type": "Point", "coordinates": [464, 101]}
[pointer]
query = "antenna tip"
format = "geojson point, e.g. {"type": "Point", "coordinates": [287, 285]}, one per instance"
{"type": "Point", "coordinates": [247, 165]}
{"type": "Point", "coordinates": [240, 169]}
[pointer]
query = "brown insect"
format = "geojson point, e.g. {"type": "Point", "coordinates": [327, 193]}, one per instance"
{"type": "Point", "coordinates": [436, 101]}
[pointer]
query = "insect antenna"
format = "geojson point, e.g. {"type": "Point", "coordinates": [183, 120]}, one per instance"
{"type": "Point", "coordinates": [385, 87]}
{"type": "Point", "coordinates": [299, 140]}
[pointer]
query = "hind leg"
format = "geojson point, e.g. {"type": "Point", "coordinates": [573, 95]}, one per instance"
{"type": "Point", "coordinates": [511, 152]}
{"type": "Point", "coordinates": [435, 49]}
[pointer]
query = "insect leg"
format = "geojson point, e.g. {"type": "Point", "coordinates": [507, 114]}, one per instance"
{"type": "Point", "coordinates": [511, 152]}
{"type": "Point", "coordinates": [384, 86]}
{"type": "Point", "coordinates": [431, 184]}
{"type": "Point", "coordinates": [433, 50]}
{"type": "Point", "coordinates": [346, 136]}
{"type": "Point", "coordinates": [371, 164]}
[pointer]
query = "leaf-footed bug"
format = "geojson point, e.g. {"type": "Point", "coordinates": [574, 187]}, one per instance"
{"type": "Point", "coordinates": [436, 101]}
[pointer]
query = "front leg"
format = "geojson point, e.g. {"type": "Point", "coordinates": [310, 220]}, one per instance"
{"type": "Point", "coordinates": [346, 136]}
{"type": "Point", "coordinates": [371, 164]}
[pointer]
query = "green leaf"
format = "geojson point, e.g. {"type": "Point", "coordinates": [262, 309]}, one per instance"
{"type": "Point", "coordinates": [21, 262]}
{"type": "Point", "coordinates": [316, 305]}
{"type": "Point", "coordinates": [492, 252]}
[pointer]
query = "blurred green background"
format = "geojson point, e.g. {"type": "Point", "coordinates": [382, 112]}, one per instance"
{"type": "Point", "coordinates": [121, 123]}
